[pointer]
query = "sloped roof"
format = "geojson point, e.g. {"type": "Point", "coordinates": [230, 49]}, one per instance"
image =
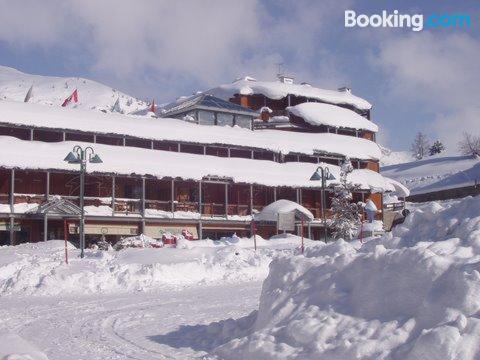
{"type": "Point", "coordinates": [203, 101]}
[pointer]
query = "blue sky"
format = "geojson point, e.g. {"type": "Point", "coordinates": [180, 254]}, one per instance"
{"type": "Point", "coordinates": [417, 81]}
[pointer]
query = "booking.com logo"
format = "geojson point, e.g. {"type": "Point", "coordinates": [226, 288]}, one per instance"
{"type": "Point", "coordinates": [416, 22]}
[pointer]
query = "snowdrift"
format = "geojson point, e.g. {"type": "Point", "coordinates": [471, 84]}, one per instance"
{"type": "Point", "coordinates": [39, 268]}
{"type": "Point", "coordinates": [13, 347]}
{"type": "Point", "coordinates": [413, 294]}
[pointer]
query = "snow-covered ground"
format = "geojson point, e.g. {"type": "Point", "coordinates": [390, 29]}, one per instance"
{"type": "Point", "coordinates": [410, 294]}
{"type": "Point", "coordinates": [436, 173]}
{"type": "Point", "coordinates": [52, 90]}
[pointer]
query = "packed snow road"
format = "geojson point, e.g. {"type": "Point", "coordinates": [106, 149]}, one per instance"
{"type": "Point", "coordinates": [154, 325]}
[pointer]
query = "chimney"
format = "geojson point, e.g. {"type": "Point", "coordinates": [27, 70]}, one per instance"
{"type": "Point", "coordinates": [285, 78]}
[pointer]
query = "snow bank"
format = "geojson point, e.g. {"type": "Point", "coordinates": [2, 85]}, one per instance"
{"type": "Point", "coordinates": [331, 115]}
{"type": "Point", "coordinates": [128, 160]}
{"type": "Point", "coordinates": [413, 294]}
{"type": "Point", "coordinates": [13, 347]}
{"type": "Point", "coordinates": [39, 268]}
{"type": "Point", "coordinates": [278, 90]}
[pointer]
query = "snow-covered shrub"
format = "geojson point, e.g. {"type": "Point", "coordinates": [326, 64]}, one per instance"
{"type": "Point", "coordinates": [140, 241]}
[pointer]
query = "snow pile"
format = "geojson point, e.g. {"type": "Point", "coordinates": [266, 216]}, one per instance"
{"type": "Point", "coordinates": [436, 173]}
{"type": "Point", "coordinates": [13, 347]}
{"type": "Point", "coordinates": [50, 90]}
{"type": "Point", "coordinates": [283, 206]}
{"type": "Point", "coordinates": [331, 115]}
{"type": "Point", "coordinates": [39, 268]}
{"type": "Point", "coordinates": [413, 294]}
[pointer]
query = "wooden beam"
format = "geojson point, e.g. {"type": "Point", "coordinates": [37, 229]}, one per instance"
{"type": "Point", "coordinates": [172, 195]}
{"type": "Point", "coordinates": [226, 200]}
{"type": "Point", "coordinates": [200, 204]}
{"type": "Point", "coordinates": [12, 190]}
{"type": "Point", "coordinates": [113, 193]}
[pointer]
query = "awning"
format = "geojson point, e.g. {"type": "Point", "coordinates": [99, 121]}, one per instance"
{"type": "Point", "coordinates": [156, 231]}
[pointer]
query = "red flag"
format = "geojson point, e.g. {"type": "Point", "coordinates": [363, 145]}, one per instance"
{"type": "Point", "coordinates": [152, 107]}
{"type": "Point", "coordinates": [73, 97]}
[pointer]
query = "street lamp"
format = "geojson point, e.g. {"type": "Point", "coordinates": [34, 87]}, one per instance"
{"type": "Point", "coordinates": [82, 156]}
{"type": "Point", "coordinates": [323, 173]}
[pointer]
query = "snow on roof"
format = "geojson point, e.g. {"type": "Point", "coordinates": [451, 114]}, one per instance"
{"type": "Point", "coordinates": [436, 173]}
{"type": "Point", "coordinates": [282, 206]}
{"type": "Point", "coordinates": [400, 189]}
{"type": "Point", "coordinates": [278, 90]}
{"type": "Point", "coordinates": [129, 160]}
{"type": "Point", "coordinates": [331, 115]}
{"type": "Point", "coordinates": [168, 129]}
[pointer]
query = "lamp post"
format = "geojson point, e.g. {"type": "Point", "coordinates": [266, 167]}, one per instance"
{"type": "Point", "coordinates": [323, 173]}
{"type": "Point", "coordinates": [81, 156]}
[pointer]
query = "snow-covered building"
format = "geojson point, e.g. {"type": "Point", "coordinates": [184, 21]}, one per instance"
{"type": "Point", "coordinates": [171, 174]}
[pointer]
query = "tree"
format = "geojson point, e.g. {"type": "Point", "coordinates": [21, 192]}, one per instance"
{"type": "Point", "coordinates": [346, 215]}
{"type": "Point", "coordinates": [469, 145]}
{"type": "Point", "coordinates": [436, 148]}
{"type": "Point", "coordinates": [420, 145]}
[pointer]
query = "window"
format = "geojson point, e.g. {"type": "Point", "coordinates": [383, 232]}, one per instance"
{"type": "Point", "coordinates": [224, 119]}
{"type": "Point", "coordinates": [243, 121]}
{"type": "Point", "coordinates": [206, 117]}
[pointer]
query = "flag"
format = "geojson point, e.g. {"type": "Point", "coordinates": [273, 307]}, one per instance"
{"type": "Point", "coordinates": [152, 107]}
{"type": "Point", "coordinates": [29, 94]}
{"type": "Point", "coordinates": [73, 97]}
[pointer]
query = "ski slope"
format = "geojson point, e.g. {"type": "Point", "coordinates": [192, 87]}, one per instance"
{"type": "Point", "coordinates": [52, 90]}
{"type": "Point", "coordinates": [436, 173]}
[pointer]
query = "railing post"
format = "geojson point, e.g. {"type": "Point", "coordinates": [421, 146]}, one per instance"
{"type": "Point", "coordinates": [251, 199]}
{"type": "Point", "coordinates": [12, 190]}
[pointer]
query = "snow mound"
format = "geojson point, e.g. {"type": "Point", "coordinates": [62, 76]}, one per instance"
{"type": "Point", "coordinates": [13, 347]}
{"type": "Point", "coordinates": [413, 294]}
{"type": "Point", "coordinates": [39, 268]}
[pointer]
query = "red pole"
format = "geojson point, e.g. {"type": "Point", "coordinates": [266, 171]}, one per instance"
{"type": "Point", "coordinates": [302, 236]}
{"type": "Point", "coordinates": [254, 228]}
{"type": "Point", "coordinates": [65, 236]}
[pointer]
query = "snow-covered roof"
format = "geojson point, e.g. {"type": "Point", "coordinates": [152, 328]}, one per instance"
{"type": "Point", "coordinates": [168, 129]}
{"type": "Point", "coordinates": [331, 115]}
{"type": "Point", "coordinates": [400, 189]}
{"type": "Point", "coordinates": [283, 206]}
{"type": "Point", "coordinates": [278, 90]}
{"type": "Point", "coordinates": [129, 160]}
{"type": "Point", "coordinates": [436, 173]}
